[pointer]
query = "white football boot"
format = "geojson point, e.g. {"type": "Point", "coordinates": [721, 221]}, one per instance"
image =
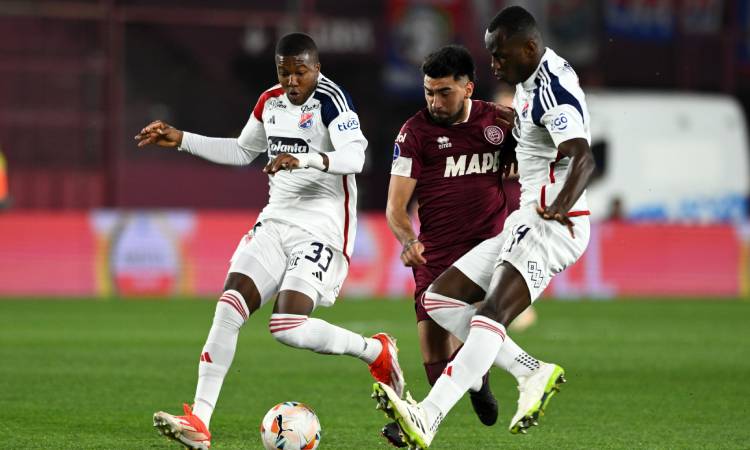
{"type": "Point", "coordinates": [535, 392]}
{"type": "Point", "coordinates": [410, 416]}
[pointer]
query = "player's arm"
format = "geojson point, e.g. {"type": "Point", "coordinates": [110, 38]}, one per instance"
{"type": "Point", "coordinates": [505, 119]}
{"type": "Point", "coordinates": [400, 190]}
{"type": "Point", "coordinates": [348, 157]}
{"type": "Point", "coordinates": [579, 174]}
{"type": "Point", "coordinates": [232, 151]}
{"type": "Point", "coordinates": [565, 125]}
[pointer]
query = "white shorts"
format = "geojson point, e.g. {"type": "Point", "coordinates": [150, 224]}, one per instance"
{"type": "Point", "coordinates": [278, 256]}
{"type": "Point", "coordinates": [539, 249]}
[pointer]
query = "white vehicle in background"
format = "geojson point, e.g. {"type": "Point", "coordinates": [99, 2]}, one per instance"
{"type": "Point", "coordinates": [675, 157]}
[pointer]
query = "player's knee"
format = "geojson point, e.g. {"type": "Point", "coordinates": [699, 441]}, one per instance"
{"type": "Point", "coordinates": [288, 329]}
{"type": "Point", "coordinates": [231, 310]}
{"type": "Point", "coordinates": [245, 286]}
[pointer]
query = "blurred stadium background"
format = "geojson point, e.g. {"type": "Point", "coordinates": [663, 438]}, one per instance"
{"type": "Point", "coordinates": [667, 81]}
{"type": "Point", "coordinates": [86, 215]}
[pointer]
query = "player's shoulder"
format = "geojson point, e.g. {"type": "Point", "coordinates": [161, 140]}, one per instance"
{"type": "Point", "coordinates": [418, 121]}
{"type": "Point", "coordinates": [482, 108]}
{"type": "Point", "coordinates": [274, 91]}
{"type": "Point", "coordinates": [334, 100]}
{"type": "Point", "coordinates": [557, 84]}
{"type": "Point", "coordinates": [415, 127]}
{"type": "Point", "coordinates": [556, 73]}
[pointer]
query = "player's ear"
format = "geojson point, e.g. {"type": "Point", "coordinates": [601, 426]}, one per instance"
{"type": "Point", "coordinates": [469, 89]}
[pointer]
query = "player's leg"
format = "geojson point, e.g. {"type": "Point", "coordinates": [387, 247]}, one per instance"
{"type": "Point", "coordinates": [452, 299]}
{"type": "Point", "coordinates": [309, 281]}
{"type": "Point", "coordinates": [249, 285]}
{"type": "Point", "coordinates": [441, 300]}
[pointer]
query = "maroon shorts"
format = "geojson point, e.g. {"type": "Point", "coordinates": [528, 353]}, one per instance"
{"type": "Point", "coordinates": [437, 263]}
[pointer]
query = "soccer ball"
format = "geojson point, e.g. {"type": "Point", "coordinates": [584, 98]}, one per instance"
{"type": "Point", "coordinates": [290, 426]}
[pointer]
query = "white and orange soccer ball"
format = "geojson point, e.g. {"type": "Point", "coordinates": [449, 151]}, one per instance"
{"type": "Point", "coordinates": [290, 426]}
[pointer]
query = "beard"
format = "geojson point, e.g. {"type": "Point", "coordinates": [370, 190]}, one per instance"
{"type": "Point", "coordinates": [448, 120]}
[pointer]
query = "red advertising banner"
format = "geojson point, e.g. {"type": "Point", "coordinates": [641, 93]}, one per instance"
{"type": "Point", "coordinates": [186, 253]}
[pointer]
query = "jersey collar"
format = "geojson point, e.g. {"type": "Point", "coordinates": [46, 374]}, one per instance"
{"type": "Point", "coordinates": [529, 84]}
{"type": "Point", "coordinates": [468, 113]}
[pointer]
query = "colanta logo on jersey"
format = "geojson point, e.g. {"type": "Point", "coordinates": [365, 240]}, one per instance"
{"type": "Point", "coordinates": [306, 121]}
{"type": "Point", "coordinates": [278, 145]}
{"type": "Point", "coordinates": [444, 142]}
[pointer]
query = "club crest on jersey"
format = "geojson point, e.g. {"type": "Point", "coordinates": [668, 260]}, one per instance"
{"type": "Point", "coordinates": [444, 142]}
{"type": "Point", "coordinates": [494, 134]}
{"type": "Point", "coordinates": [306, 121]}
{"type": "Point", "coordinates": [525, 110]}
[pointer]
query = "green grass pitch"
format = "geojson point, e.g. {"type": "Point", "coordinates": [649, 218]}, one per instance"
{"type": "Point", "coordinates": [89, 374]}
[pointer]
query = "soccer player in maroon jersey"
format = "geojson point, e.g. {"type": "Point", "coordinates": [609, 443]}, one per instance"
{"type": "Point", "coordinates": [451, 156]}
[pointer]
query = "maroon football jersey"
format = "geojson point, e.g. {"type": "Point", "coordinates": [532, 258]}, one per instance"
{"type": "Point", "coordinates": [458, 172]}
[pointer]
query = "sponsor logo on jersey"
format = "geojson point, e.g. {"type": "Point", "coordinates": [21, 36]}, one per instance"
{"type": "Point", "coordinates": [351, 124]}
{"type": "Point", "coordinates": [306, 121]}
{"type": "Point", "coordinates": [494, 134]}
{"type": "Point", "coordinates": [272, 120]}
{"type": "Point", "coordinates": [477, 163]}
{"type": "Point", "coordinates": [401, 138]}
{"type": "Point", "coordinates": [310, 108]}
{"type": "Point", "coordinates": [525, 110]}
{"type": "Point", "coordinates": [278, 145]}
{"type": "Point", "coordinates": [275, 103]}
{"type": "Point", "coordinates": [444, 142]}
{"type": "Point", "coordinates": [560, 122]}
{"type": "Point", "coordinates": [396, 151]}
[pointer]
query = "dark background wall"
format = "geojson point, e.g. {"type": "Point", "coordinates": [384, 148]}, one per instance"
{"type": "Point", "coordinates": [79, 78]}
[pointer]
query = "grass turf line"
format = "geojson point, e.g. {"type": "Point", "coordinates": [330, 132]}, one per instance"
{"type": "Point", "coordinates": [87, 374]}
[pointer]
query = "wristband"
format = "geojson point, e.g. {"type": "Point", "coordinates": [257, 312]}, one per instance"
{"type": "Point", "coordinates": [314, 160]}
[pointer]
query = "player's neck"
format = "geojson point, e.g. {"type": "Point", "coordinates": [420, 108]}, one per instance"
{"type": "Point", "coordinates": [467, 112]}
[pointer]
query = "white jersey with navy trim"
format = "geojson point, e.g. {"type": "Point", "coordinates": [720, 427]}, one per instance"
{"type": "Point", "coordinates": [550, 109]}
{"type": "Point", "coordinates": [323, 203]}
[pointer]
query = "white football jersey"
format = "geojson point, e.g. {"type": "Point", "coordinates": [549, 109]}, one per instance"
{"type": "Point", "coordinates": [550, 109]}
{"type": "Point", "coordinates": [322, 203]}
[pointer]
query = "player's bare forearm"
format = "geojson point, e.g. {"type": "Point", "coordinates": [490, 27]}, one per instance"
{"type": "Point", "coordinates": [400, 224]}
{"type": "Point", "coordinates": [579, 174]}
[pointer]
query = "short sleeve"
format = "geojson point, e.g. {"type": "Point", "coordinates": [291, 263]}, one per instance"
{"type": "Point", "coordinates": [564, 122]}
{"type": "Point", "coordinates": [406, 157]}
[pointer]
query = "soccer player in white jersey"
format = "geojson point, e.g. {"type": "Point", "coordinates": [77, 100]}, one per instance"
{"type": "Point", "coordinates": [548, 233]}
{"type": "Point", "coordinates": [301, 244]}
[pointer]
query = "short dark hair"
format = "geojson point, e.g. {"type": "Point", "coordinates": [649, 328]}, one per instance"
{"type": "Point", "coordinates": [450, 60]}
{"type": "Point", "coordinates": [293, 44]}
{"type": "Point", "coordinates": [513, 20]}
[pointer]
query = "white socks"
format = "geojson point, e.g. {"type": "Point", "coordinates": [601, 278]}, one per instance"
{"type": "Point", "coordinates": [455, 316]}
{"type": "Point", "coordinates": [218, 352]}
{"type": "Point", "coordinates": [322, 337]}
{"type": "Point", "coordinates": [472, 361]}
{"type": "Point", "coordinates": [512, 358]}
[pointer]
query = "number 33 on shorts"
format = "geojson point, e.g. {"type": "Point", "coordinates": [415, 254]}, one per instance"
{"type": "Point", "coordinates": [312, 257]}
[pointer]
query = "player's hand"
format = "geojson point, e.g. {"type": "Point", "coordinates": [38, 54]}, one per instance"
{"type": "Point", "coordinates": [411, 255]}
{"type": "Point", "coordinates": [159, 133]}
{"type": "Point", "coordinates": [554, 213]}
{"type": "Point", "coordinates": [508, 161]}
{"type": "Point", "coordinates": [282, 161]}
